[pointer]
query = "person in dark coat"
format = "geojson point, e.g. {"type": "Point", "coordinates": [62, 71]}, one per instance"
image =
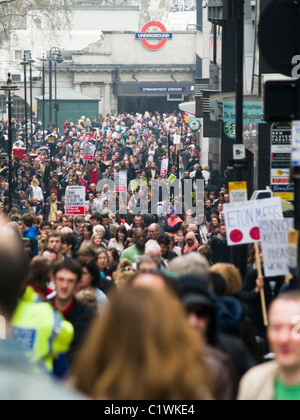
{"type": "Point", "coordinates": [219, 246]}
{"type": "Point", "coordinates": [251, 296]}
{"type": "Point", "coordinates": [66, 278]}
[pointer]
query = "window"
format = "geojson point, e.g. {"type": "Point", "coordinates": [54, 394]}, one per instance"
{"type": "Point", "coordinates": [18, 107]}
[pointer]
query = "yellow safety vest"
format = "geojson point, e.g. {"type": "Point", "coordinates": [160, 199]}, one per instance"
{"type": "Point", "coordinates": [41, 330]}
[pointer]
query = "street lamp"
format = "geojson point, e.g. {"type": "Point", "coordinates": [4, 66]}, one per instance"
{"type": "Point", "coordinates": [43, 60]}
{"type": "Point", "coordinates": [29, 60]}
{"type": "Point", "coordinates": [25, 63]}
{"type": "Point", "coordinates": [54, 54]}
{"type": "Point", "coordinates": [8, 88]}
{"type": "Point", "coordinates": [31, 102]}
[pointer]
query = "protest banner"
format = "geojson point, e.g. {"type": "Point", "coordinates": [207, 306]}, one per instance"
{"type": "Point", "coordinates": [121, 182]}
{"type": "Point", "coordinates": [164, 167]}
{"type": "Point", "coordinates": [89, 151]}
{"type": "Point", "coordinates": [238, 192]}
{"type": "Point", "coordinates": [242, 219]}
{"type": "Point", "coordinates": [75, 201]}
{"type": "Point", "coordinates": [274, 235]}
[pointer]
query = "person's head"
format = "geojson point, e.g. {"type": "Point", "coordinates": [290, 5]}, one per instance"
{"type": "Point", "coordinates": [113, 256]}
{"type": "Point", "coordinates": [53, 197]}
{"type": "Point", "coordinates": [232, 277]}
{"type": "Point", "coordinates": [190, 239]}
{"type": "Point", "coordinates": [154, 231]}
{"type": "Point", "coordinates": [90, 276]}
{"type": "Point", "coordinates": [40, 272]}
{"type": "Point", "coordinates": [121, 235]}
{"type": "Point", "coordinates": [148, 264]}
{"type": "Point", "coordinates": [124, 273]}
{"type": "Point", "coordinates": [284, 331]}
{"type": "Point", "coordinates": [222, 230]}
{"type": "Point", "coordinates": [13, 268]}
{"type": "Point", "coordinates": [102, 260]}
{"type": "Point", "coordinates": [55, 241]}
{"type": "Point", "coordinates": [164, 243]}
{"type": "Point", "coordinates": [153, 321]}
{"type": "Point", "coordinates": [206, 251]}
{"type": "Point", "coordinates": [215, 222]}
{"type": "Point", "coordinates": [192, 263]}
{"type": "Point", "coordinates": [50, 254]}
{"type": "Point", "coordinates": [138, 221]}
{"type": "Point", "coordinates": [68, 244]}
{"type": "Point", "coordinates": [27, 220]}
{"type": "Point", "coordinates": [140, 237]}
{"type": "Point", "coordinates": [180, 237]}
{"type": "Point", "coordinates": [66, 278]}
{"type": "Point", "coordinates": [199, 305]}
{"type": "Point", "coordinates": [105, 219]}
{"type": "Point", "coordinates": [87, 231]}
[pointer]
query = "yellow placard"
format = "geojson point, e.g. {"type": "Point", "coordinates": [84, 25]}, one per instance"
{"type": "Point", "coordinates": [237, 186]}
{"type": "Point", "coordinates": [285, 196]}
{"type": "Point", "coordinates": [293, 237]}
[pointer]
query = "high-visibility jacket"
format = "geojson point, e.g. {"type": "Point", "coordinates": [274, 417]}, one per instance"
{"type": "Point", "coordinates": [41, 330]}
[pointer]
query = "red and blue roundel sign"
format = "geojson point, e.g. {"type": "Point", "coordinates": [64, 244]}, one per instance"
{"type": "Point", "coordinates": [162, 36]}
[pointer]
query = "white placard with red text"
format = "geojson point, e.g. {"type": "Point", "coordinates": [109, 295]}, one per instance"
{"type": "Point", "coordinates": [75, 201]}
{"type": "Point", "coordinates": [89, 151]}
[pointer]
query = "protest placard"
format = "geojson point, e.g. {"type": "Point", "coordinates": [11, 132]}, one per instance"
{"type": "Point", "coordinates": [164, 167]}
{"type": "Point", "coordinates": [274, 236]}
{"type": "Point", "coordinates": [75, 201]}
{"type": "Point", "coordinates": [89, 151]}
{"type": "Point", "coordinates": [242, 219]}
{"type": "Point", "coordinates": [121, 182]}
{"type": "Point", "coordinates": [238, 192]}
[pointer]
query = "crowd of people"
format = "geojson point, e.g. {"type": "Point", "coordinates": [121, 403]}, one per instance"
{"type": "Point", "coordinates": [131, 305]}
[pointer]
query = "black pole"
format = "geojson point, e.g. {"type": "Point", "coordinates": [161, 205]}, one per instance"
{"type": "Point", "coordinates": [43, 99]}
{"type": "Point", "coordinates": [25, 63]}
{"type": "Point", "coordinates": [239, 253]}
{"type": "Point", "coordinates": [50, 90]}
{"type": "Point", "coordinates": [55, 106]}
{"type": "Point", "coordinates": [239, 4]}
{"type": "Point", "coordinates": [25, 99]}
{"type": "Point", "coordinates": [8, 88]}
{"type": "Point", "coordinates": [10, 141]}
{"type": "Point", "coordinates": [31, 124]}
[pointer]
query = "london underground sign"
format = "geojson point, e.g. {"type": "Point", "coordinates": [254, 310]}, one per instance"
{"type": "Point", "coordinates": [146, 36]}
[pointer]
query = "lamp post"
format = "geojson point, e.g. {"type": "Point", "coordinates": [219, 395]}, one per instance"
{"type": "Point", "coordinates": [25, 63]}
{"type": "Point", "coordinates": [43, 60]}
{"type": "Point", "coordinates": [8, 88]}
{"type": "Point", "coordinates": [54, 54]}
{"type": "Point", "coordinates": [31, 102]}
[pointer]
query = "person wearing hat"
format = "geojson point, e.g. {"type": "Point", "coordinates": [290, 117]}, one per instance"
{"type": "Point", "coordinates": [202, 317]}
{"type": "Point", "coordinates": [174, 222]}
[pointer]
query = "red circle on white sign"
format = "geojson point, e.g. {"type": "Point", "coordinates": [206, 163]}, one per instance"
{"type": "Point", "coordinates": [146, 43]}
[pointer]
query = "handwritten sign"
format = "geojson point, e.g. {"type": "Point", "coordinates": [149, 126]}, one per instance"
{"type": "Point", "coordinates": [275, 246]}
{"type": "Point", "coordinates": [75, 201]}
{"type": "Point", "coordinates": [242, 219]}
